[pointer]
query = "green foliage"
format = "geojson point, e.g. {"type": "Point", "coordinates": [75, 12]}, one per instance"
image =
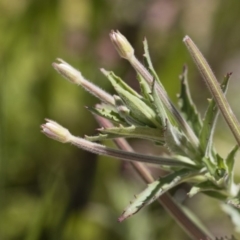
{"type": "Point", "coordinates": [152, 116]}
{"type": "Point", "coordinates": [83, 205]}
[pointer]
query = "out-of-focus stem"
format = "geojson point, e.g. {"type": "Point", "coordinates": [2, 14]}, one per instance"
{"type": "Point", "coordinates": [166, 200]}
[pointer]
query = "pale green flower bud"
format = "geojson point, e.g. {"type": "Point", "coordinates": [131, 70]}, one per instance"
{"type": "Point", "coordinates": [56, 131]}
{"type": "Point", "coordinates": [74, 76]}
{"type": "Point", "coordinates": [68, 72]}
{"type": "Point", "coordinates": [124, 48]}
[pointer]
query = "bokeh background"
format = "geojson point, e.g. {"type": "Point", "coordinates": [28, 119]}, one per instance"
{"type": "Point", "coordinates": [51, 191]}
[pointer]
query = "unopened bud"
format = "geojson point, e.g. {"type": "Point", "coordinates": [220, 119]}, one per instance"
{"type": "Point", "coordinates": [56, 131]}
{"type": "Point", "coordinates": [124, 48]}
{"type": "Point", "coordinates": [68, 72]}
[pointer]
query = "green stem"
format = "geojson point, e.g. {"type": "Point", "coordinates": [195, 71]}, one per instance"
{"type": "Point", "coordinates": [214, 88]}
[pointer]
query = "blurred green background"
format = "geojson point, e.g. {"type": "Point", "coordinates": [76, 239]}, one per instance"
{"type": "Point", "coordinates": [53, 191]}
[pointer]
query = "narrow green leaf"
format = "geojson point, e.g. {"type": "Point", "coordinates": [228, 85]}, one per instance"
{"type": "Point", "coordinates": [125, 112]}
{"type": "Point", "coordinates": [221, 170]}
{"type": "Point", "coordinates": [207, 131]}
{"type": "Point", "coordinates": [210, 163]}
{"type": "Point", "coordinates": [178, 143]}
{"type": "Point", "coordinates": [209, 122]}
{"type": "Point", "coordinates": [100, 137]}
{"type": "Point", "coordinates": [202, 187]}
{"type": "Point", "coordinates": [159, 106]}
{"type": "Point", "coordinates": [186, 104]}
{"type": "Point", "coordinates": [150, 67]}
{"type": "Point", "coordinates": [151, 134]}
{"type": "Point", "coordinates": [139, 110]}
{"type": "Point", "coordinates": [217, 195]}
{"type": "Point", "coordinates": [214, 88]}
{"type": "Point", "coordinates": [230, 160]}
{"type": "Point", "coordinates": [145, 89]}
{"type": "Point", "coordinates": [117, 82]}
{"type": "Point", "coordinates": [155, 190]}
{"type": "Point", "coordinates": [135, 132]}
{"type": "Point", "coordinates": [106, 113]}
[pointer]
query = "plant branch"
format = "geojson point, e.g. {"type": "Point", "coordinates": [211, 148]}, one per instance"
{"type": "Point", "coordinates": [126, 51]}
{"type": "Point", "coordinates": [59, 133]}
{"type": "Point", "coordinates": [166, 200]}
{"type": "Point", "coordinates": [214, 87]}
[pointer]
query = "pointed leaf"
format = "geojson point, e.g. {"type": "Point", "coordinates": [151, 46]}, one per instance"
{"type": "Point", "coordinates": [216, 194]}
{"type": "Point", "coordinates": [135, 132]}
{"type": "Point", "coordinates": [178, 143]}
{"type": "Point", "coordinates": [99, 137]}
{"type": "Point", "coordinates": [133, 101]}
{"type": "Point", "coordinates": [155, 190]}
{"type": "Point", "coordinates": [159, 106]}
{"type": "Point", "coordinates": [148, 61]}
{"type": "Point", "coordinates": [186, 103]}
{"type": "Point", "coordinates": [231, 159]}
{"type": "Point", "coordinates": [139, 110]}
{"type": "Point", "coordinates": [209, 122]}
{"type": "Point", "coordinates": [125, 112]}
{"type": "Point", "coordinates": [117, 82]}
{"type": "Point", "coordinates": [221, 170]}
{"type": "Point", "coordinates": [106, 113]}
{"type": "Point", "coordinates": [207, 131]}
{"type": "Point", "coordinates": [202, 187]}
{"type": "Point", "coordinates": [145, 89]}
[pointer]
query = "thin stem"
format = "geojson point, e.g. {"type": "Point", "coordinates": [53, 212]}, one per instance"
{"type": "Point", "coordinates": [166, 200]}
{"type": "Point", "coordinates": [128, 156]}
{"type": "Point", "coordinates": [59, 133]}
{"type": "Point", "coordinates": [214, 87]}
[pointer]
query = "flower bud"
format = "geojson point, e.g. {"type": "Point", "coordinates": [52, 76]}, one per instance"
{"type": "Point", "coordinates": [124, 48]}
{"type": "Point", "coordinates": [56, 131]}
{"type": "Point", "coordinates": [68, 72]}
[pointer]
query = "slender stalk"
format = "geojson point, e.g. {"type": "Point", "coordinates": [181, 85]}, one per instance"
{"type": "Point", "coordinates": [59, 133]}
{"type": "Point", "coordinates": [166, 200]}
{"type": "Point", "coordinates": [214, 88]}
